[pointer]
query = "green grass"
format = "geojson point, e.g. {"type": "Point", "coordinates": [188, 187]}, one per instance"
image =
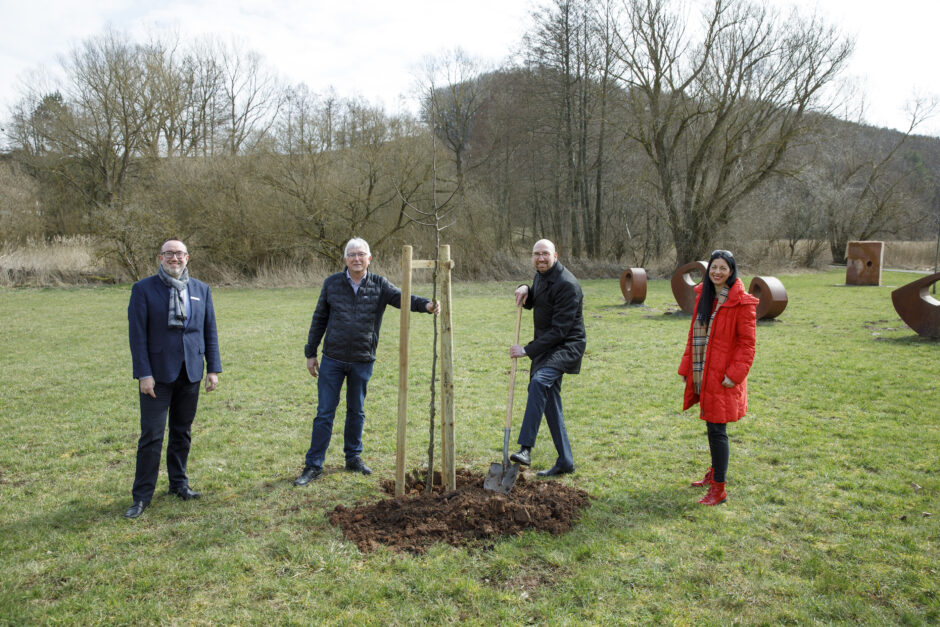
{"type": "Point", "coordinates": [833, 513]}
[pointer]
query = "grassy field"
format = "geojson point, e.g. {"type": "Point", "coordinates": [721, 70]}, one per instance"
{"type": "Point", "coordinates": [833, 513]}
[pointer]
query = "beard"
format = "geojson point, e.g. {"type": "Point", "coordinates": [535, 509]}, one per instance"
{"type": "Point", "coordinates": [174, 272]}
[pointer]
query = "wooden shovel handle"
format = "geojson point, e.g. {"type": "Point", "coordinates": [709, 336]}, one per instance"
{"type": "Point", "coordinates": [512, 368]}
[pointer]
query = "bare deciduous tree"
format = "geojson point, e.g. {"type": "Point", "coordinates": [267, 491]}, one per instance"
{"type": "Point", "coordinates": [717, 105]}
{"type": "Point", "coordinates": [92, 139]}
{"type": "Point", "coordinates": [862, 186]}
{"type": "Point", "coordinates": [251, 98]}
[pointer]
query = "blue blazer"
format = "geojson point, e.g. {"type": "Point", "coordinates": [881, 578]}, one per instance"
{"type": "Point", "coordinates": [158, 351]}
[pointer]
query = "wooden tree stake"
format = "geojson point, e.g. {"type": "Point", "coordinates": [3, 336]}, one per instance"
{"type": "Point", "coordinates": [448, 471]}
{"type": "Point", "coordinates": [447, 368]}
{"type": "Point", "coordinates": [403, 338]}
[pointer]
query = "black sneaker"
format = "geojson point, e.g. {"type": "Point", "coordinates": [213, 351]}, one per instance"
{"type": "Point", "coordinates": [356, 465]}
{"type": "Point", "coordinates": [309, 474]}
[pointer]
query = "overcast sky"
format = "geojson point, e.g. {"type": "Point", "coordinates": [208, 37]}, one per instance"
{"type": "Point", "coordinates": [373, 48]}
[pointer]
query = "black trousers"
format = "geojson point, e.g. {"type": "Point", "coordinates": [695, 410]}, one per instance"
{"type": "Point", "coordinates": [718, 446]}
{"type": "Point", "coordinates": [176, 401]}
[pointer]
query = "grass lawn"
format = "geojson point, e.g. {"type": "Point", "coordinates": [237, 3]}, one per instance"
{"type": "Point", "coordinates": [833, 512]}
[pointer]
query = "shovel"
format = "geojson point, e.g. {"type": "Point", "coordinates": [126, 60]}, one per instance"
{"type": "Point", "coordinates": [501, 477]}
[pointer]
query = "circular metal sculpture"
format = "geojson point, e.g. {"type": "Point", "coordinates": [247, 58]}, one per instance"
{"type": "Point", "coordinates": [683, 286]}
{"type": "Point", "coordinates": [918, 309]}
{"type": "Point", "coordinates": [772, 295]}
{"type": "Point", "coordinates": [633, 285]}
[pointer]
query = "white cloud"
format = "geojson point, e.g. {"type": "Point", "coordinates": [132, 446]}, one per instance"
{"type": "Point", "coordinates": [361, 47]}
{"type": "Point", "coordinates": [894, 60]}
{"type": "Point", "coordinates": [373, 48]}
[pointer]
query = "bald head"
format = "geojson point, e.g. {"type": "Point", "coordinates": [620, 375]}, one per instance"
{"type": "Point", "coordinates": [544, 244]}
{"type": "Point", "coordinates": [544, 255]}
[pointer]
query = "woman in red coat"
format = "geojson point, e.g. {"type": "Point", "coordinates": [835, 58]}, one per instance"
{"type": "Point", "coordinates": [718, 356]}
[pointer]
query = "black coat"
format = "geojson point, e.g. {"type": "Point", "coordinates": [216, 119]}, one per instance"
{"type": "Point", "coordinates": [555, 300]}
{"type": "Point", "coordinates": [349, 322]}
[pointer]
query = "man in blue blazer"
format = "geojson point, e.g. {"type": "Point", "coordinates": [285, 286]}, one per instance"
{"type": "Point", "coordinates": [171, 324]}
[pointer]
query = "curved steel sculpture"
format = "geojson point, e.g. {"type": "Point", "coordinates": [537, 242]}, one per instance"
{"type": "Point", "coordinates": [633, 285]}
{"type": "Point", "coordinates": [772, 295]}
{"type": "Point", "coordinates": [863, 262]}
{"type": "Point", "coordinates": [683, 286]}
{"type": "Point", "coordinates": [918, 309]}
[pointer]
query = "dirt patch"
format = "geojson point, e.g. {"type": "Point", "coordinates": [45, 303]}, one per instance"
{"type": "Point", "coordinates": [467, 515]}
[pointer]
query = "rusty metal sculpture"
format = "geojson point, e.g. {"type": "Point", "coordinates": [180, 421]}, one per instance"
{"type": "Point", "coordinates": [863, 263]}
{"type": "Point", "coordinates": [918, 309]}
{"type": "Point", "coordinates": [683, 286]}
{"type": "Point", "coordinates": [772, 295]}
{"type": "Point", "coordinates": [633, 285]}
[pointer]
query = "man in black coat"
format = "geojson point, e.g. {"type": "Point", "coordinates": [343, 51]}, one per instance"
{"type": "Point", "coordinates": [347, 320]}
{"type": "Point", "coordinates": [555, 300]}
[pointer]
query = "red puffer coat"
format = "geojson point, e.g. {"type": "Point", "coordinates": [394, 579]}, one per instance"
{"type": "Point", "coordinates": [730, 352]}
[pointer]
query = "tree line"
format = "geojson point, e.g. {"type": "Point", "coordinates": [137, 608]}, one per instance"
{"type": "Point", "coordinates": [630, 130]}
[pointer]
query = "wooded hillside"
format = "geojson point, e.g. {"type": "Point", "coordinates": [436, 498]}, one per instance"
{"type": "Point", "coordinates": [637, 132]}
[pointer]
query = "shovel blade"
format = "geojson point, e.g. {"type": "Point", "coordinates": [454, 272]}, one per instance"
{"type": "Point", "coordinates": [501, 478]}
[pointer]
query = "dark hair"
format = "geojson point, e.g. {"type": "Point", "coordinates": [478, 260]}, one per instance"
{"type": "Point", "coordinates": [707, 298]}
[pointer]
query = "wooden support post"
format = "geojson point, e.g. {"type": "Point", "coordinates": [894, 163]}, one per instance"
{"type": "Point", "coordinates": [448, 471]}
{"type": "Point", "coordinates": [403, 342]}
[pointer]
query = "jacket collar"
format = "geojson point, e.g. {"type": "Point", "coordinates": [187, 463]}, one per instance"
{"type": "Point", "coordinates": [552, 273]}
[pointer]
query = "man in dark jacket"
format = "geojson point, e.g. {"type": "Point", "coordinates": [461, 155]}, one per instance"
{"type": "Point", "coordinates": [555, 300]}
{"type": "Point", "coordinates": [347, 319]}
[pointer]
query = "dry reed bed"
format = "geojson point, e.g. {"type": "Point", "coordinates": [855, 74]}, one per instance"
{"type": "Point", "coordinates": [67, 261]}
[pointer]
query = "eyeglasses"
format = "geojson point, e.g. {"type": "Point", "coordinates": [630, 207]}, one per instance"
{"type": "Point", "coordinates": [542, 254]}
{"type": "Point", "coordinates": [357, 255]}
{"type": "Point", "coordinates": [169, 254]}
{"type": "Point", "coordinates": [722, 252]}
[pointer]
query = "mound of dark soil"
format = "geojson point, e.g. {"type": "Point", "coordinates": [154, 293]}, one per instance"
{"type": "Point", "coordinates": [466, 515]}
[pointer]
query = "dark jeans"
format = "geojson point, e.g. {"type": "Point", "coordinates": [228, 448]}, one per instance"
{"type": "Point", "coordinates": [329, 382]}
{"type": "Point", "coordinates": [718, 446]}
{"type": "Point", "coordinates": [545, 397]}
{"type": "Point", "coordinates": [176, 401]}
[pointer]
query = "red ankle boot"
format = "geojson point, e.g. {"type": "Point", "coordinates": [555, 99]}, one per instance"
{"type": "Point", "coordinates": [707, 480]}
{"type": "Point", "coordinates": [716, 494]}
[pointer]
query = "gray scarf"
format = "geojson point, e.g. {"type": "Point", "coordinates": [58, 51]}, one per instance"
{"type": "Point", "coordinates": [177, 315]}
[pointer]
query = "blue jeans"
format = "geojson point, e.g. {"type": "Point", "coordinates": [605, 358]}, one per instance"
{"type": "Point", "coordinates": [329, 382]}
{"type": "Point", "coordinates": [545, 397]}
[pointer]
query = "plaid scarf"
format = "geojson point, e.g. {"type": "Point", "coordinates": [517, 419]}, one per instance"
{"type": "Point", "coordinates": [700, 335]}
{"type": "Point", "coordinates": [176, 315]}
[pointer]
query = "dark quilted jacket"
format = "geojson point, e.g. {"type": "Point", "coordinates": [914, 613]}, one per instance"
{"type": "Point", "coordinates": [348, 322]}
